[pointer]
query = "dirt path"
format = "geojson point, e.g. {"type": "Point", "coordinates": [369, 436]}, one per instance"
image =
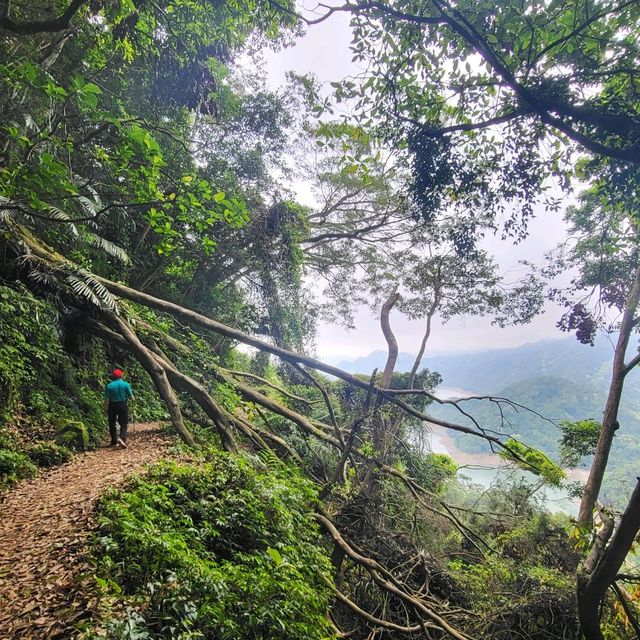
{"type": "Point", "coordinates": [44, 525]}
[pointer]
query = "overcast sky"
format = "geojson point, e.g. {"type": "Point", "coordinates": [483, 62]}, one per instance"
{"type": "Point", "coordinates": [324, 51]}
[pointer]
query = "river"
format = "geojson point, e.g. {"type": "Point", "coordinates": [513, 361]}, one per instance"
{"type": "Point", "coordinates": [488, 469]}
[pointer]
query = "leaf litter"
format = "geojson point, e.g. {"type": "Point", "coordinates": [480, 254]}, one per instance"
{"type": "Point", "coordinates": [45, 523]}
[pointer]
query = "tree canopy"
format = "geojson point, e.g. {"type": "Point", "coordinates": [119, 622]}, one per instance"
{"type": "Point", "coordinates": [148, 214]}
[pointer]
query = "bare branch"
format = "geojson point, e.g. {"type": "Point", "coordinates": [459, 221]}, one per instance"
{"type": "Point", "coordinates": [59, 23]}
{"type": "Point", "coordinates": [375, 570]}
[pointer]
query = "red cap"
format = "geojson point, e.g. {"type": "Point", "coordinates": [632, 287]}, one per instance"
{"type": "Point", "coordinates": [117, 373]}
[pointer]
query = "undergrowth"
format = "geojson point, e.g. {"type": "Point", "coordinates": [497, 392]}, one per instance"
{"type": "Point", "coordinates": [52, 373]}
{"type": "Point", "coordinates": [222, 549]}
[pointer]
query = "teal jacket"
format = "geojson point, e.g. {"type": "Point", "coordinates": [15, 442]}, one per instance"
{"type": "Point", "coordinates": [118, 391]}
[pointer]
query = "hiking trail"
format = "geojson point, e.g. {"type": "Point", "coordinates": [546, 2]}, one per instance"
{"type": "Point", "coordinates": [44, 527]}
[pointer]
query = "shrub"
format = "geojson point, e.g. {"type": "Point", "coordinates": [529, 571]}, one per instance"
{"type": "Point", "coordinates": [48, 454]}
{"type": "Point", "coordinates": [13, 467]}
{"type": "Point", "coordinates": [222, 550]}
{"type": "Point", "coordinates": [431, 470]}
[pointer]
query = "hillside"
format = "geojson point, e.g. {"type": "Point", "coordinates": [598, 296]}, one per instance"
{"type": "Point", "coordinates": [489, 371]}
{"type": "Point", "coordinates": [557, 379]}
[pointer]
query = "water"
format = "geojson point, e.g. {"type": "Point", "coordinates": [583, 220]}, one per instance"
{"type": "Point", "coordinates": [489, 471]}
{"type": "Point", "coordinates": [555, 499]}
{"type": "Point", "coordinates": [452, 393]}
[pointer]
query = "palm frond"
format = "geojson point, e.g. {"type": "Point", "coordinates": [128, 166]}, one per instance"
{"type": "Point", "coordinates": [55, 213]}
{"type": "Point", "coordinates": [91, 204]}
{"type": "Point", "coordinates": [43, 278]}
{"type": "Point", "coordinates": [86, 286]}
{"type": "Point", "coordinates": [6, 215]}
{"type": "Point", "coordinates": [59, 277]}
{"type": "Point", "coordinates": [107, 246]}
{"type": "Point", "coordinates": [88, 205]}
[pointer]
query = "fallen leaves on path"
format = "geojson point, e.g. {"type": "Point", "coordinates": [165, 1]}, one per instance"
{"type": "Point", "coordinates": [44, 526]}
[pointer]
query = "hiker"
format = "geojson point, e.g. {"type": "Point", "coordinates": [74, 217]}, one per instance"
{"type": "Point", "coordinates": [116, 397]}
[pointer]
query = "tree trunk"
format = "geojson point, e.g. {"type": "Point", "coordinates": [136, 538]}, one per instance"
{"type": "Point", "coordinates": [339, 475]}
{"type": "Point", "coordinates": [610, 418]}
{"type": "Point", "coordinates": [379, 424]}
{"type": "Point", "coordinates": [392, 343]}
{"type": "Point", "coordinates": [592, 587]}
{"type": "Point", "coordinates": [204, 400]}
{"type": "Point", "coordinates": [159, 377]}
{"type": "Point", "coordinates": [198, 319]}
{"type": "Point", "coordinates": [382, 425]}
{"type": "Point", "coordinates": [427, 334]}
{"type": "Point", "coordinates": [184, 383]}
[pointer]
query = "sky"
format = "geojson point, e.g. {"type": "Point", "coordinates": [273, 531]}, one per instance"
{"type": "Point", "coordinates": [324, 51]}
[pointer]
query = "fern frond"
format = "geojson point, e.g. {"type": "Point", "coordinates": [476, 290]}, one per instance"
{"type": "Point", "coordinates": [270, 459]}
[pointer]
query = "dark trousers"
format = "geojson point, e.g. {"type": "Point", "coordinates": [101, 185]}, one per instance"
{"type": "Point", "coordinates": [118, 410]}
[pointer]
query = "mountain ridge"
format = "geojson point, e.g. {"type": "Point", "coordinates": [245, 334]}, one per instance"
{"type": "Point", "coordinates": [491, 370]}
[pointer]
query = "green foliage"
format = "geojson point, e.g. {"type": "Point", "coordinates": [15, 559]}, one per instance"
{"type": "Point", "coordinates": [541, 538]}
{"type": "Point", "coordinates": [467, 90]}
{"type": "Point", "coordinates": [52, 375]}
{"type": "Point", "coordinates": [431, 470]}
{"type": "Point", "coordinates": [603, 252]}
{"type": "Point", "coordinates": [532, 460]}
{"type": "Point", "coordinates": [225, 549]}
{"type": "Point", "coordinates": [227, 396]}
{"type": "Point", "coordinates": [99, 162]}
{"type": "Point", "coordinates": [29, 346]}
{"type": "Point", "coordinates": [579, 440]}
{"type": "Point", "coordinates": [48, 454]}
{"type": "Point", "coordinates": [13, 467]}
{"type": "Point", "coordinates": [517, 599]}
{"type": "Point", "coordinates": [289, 319]}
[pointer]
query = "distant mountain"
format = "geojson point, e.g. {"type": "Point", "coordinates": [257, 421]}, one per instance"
{"type": "Point", "coordinates": [542, 403]}
{"type": "Point", "coordinates": [491, 371]}
{"type": "Point", "coordinates": [558, 379]}
{"type": "Point", "coordinates": [556, 399]}
{"type": "Point", "coordinates": [376, 360]}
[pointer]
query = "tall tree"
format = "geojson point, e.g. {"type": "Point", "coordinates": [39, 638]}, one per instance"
{"type": "Point", "coordinates": [491, 100]}
{"type": "Point", "coordinates": [604, 254]}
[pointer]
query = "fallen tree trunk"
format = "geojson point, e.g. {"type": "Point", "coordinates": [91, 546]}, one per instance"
{"type": "Point", "coordinates": [37, 248]}
{"type": "Point", "coordinates": [205, 401]}
{"type": "Point", "coordinates": [207, 404]}
{"type": "Point", "coordinates": [290, 356]}
{"type": "Point", "coordinates": [158, 375]}
{"type": "Point", "coordinates": [184, 383]}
